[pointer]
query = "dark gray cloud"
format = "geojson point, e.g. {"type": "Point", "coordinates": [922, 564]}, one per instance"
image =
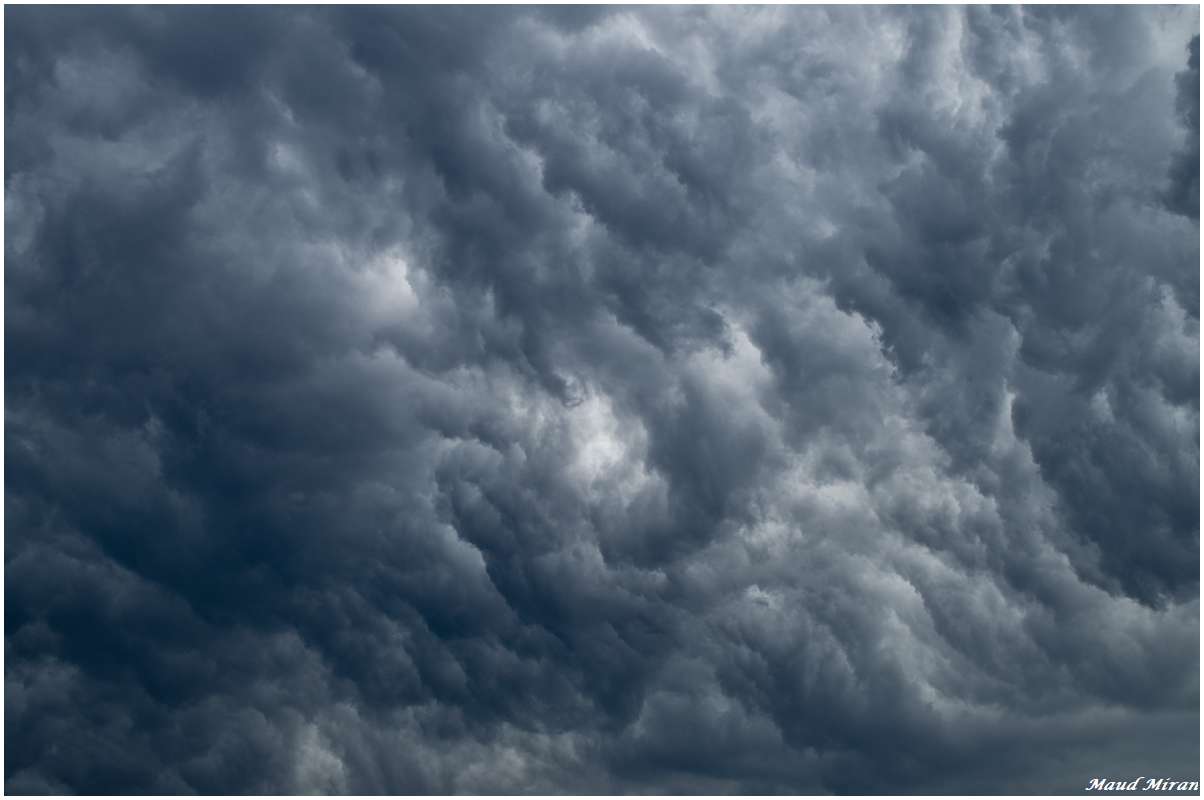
{"type": "Point", "coordinates": [718, 399]}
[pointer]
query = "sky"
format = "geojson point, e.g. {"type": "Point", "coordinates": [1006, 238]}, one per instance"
{"type": "Point", "coordinates": [600, 400]}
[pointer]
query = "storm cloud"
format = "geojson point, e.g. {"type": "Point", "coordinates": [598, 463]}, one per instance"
{"type": "Point", "coordinates": [506, 400]}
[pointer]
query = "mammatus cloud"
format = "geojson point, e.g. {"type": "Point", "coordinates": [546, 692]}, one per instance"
{"type": "Point", "coordinates": [601, 400]}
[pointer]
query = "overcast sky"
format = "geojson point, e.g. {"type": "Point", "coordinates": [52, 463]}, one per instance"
{"type": "Point", "coordinates": [707, 400]}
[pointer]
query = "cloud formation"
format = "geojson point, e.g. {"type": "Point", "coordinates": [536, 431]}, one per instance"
{"type": "Point", "coordinates": [503, 400]}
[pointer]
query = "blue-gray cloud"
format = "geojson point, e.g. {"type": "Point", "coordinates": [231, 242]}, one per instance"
{"type": "Point", "coordinates": [722, 399]}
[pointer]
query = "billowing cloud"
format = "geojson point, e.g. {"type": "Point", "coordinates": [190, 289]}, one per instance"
{"type": "Point", "coordinates": [706, 400]}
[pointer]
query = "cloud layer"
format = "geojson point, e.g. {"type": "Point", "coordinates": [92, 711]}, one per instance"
{"type": "Point", "coordinates": [601, 400]}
